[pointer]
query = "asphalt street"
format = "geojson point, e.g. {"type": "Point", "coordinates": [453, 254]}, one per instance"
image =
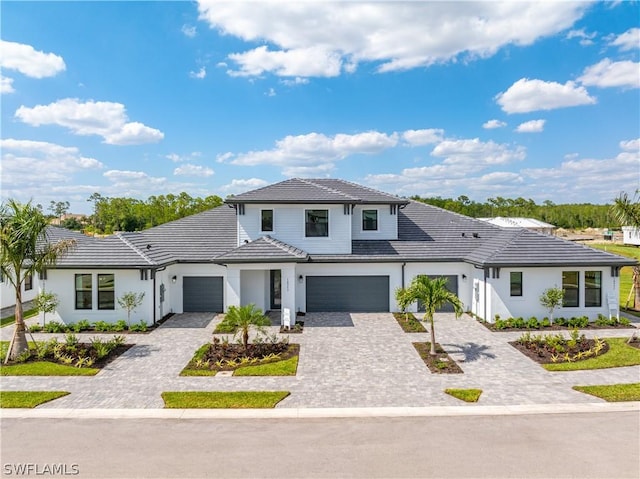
{"type": "Point", "coordinates": [575, 445]}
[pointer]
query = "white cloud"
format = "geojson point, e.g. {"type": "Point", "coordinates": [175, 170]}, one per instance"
{"type": "Point", "coordinates": [294, 82]}
{"type": "Point", "coordinates": [423, 137]}
{"type": "Point", "coordinates": [312, 61]}
{"type": "Point", "coordinates": [193, 170]}
{"type": "Point", "coordinates": [532, 95]}
{"type": "Point", "coordinates": [189, 30]}
{"type": "Point", "coordinates": [27, 165]}
{"type": "Point", "coordinates": [491, 124]}
{"type": "Point", "coordinates": [105, 119]}
{"type": "Point", "coordinates": [326, 39]}
{"type": "Point", "coordinates": [612, 74]}
{"type": "Point", "coordinates": [240, 186]}
{"type": "Point", "coordinates": [532, 126]}
{"type": "Point", "coordinates": [200, 74]}
{"type": "Point", "coordinates": [628, 40]}
{"type": "Point", "coordinates": [271, 92]}
{"type": "Point", "coordinates": [124, 175]}
{"type": "Point", "coordinates": [314, 151]}
{"type": "Point", "coordinates": [630, 145]}
{"type": "Point", "coordinates": [29, 61]}
{"type": "Point", "coordinates": [474, 153]}
{"type": "Point", "coordinates": [6, 85]}
{"type": "Point", "coordinates": [585, 38]}
{"type": "Point", "coordinates": [176, 158]}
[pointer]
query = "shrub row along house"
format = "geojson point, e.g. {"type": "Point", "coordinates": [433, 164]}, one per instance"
{"type": "Point", "coordinates": [310, 245]}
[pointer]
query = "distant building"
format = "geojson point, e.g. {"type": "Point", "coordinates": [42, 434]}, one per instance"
{"type": "Point", "coordinates": [631, 235]}
{"type": "Point", "coordinates": [529, 223]}
{"type": "Point", "coordinates": [67, 216]}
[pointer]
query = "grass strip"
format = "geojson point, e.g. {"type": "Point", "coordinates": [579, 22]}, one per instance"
{"type": "Point", "coordinates": [28, 399]}
{"type": "Point", "coordinates": [287, 367]}
{"type": "Point", "coordinates": [620, 354]}
{"type": "Point", "coordinates": [223, 400]}
{"type": "Point", "coordinates": [613, 392]}
{"type": "Point", "coordinates": [29, 313]}
{"type": "Point", "coordinates": [466, 395]}
{"type": "Point", "coordinates": [45, 368]}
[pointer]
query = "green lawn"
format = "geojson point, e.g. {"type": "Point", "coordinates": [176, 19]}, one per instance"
{"type": "Point", "coordinates": [45, 368]}
{"type": "Point", "coordinates": [11, 319]}
{"type": "Point", "coordinates": [626, 274]}
{"type": "Point", "coordinates": [287, 367]}
{"type": "Point", "coordinates": [28, 399]}
{"type": "Point", "coordinates": [619, 354]}
{"type": "Point", "coordinates": [467, 395]}
{"type": "Point", "coordinates": [223, 400]}
{"type": "Point", "coordinates": [613, 392]}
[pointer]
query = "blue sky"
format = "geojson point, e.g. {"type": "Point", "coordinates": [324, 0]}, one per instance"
{"type": "Point", "coordinates": [483, 99]}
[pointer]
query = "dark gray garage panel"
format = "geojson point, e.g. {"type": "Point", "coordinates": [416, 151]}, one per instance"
{"type": "Point", "coordinates": [358, 294]}
{"type": "Point", "coordinates": [452, 286]}
{"type": "Point", "coordinates": [202, 294]}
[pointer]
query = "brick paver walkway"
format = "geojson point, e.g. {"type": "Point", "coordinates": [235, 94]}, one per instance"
{"type": "Point", "coordinates": [346, 360]}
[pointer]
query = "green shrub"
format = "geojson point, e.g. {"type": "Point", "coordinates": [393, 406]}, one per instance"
{"type": "Point", "coordinates": [120, 325]}
{"type": "Point", "coordinates": [140, 327]}
{"type": "Point", "coordinates": [533, 323]}
{"type": "Point", "coordinates": [102, 326]}
{"type": "Point", "coordinates": [36, 328]}
{"type": "Point", "coordinates": [517, 322]}
{"type": "Point", "coordinates": [546, 322]}
{"type": "Point", "coordinates": [500, 324]}
{"type": "Point", "coordinates": [561, 321]}
{"type": "Point", "coordinates": [578, 322]}
{"type": "Point", "coordinates": [55, 327]}
{"type": "Point", "coordinates": [82, 325]}
{"type": "Point", "coordinates": [624, 322]}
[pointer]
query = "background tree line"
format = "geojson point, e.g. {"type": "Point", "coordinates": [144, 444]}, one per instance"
{"type": "Point", "coordinates": [571, 216]}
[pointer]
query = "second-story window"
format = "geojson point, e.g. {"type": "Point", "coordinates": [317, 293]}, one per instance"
{"type": "Point", "coordinates": [369, 220]}
{"type": "Point", "coordinates": [316, 223]}
{"type": "Point", "coordinates": [266, 220]}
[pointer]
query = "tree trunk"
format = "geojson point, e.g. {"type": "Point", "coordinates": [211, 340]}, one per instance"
{"type": "Point", "coordinates": [636, 284]}
{"type": "Point", "coordinates": [432, 331]}
{"type": "Point", "coordinates": [19, 342]}
{"type": "Point", "coordinates": [245, 338]}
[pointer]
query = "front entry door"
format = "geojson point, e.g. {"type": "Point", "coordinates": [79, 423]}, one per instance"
{"type": "Point", "coordinates": [276, 295]}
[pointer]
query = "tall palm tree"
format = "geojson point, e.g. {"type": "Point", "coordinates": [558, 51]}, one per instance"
{"type": "Point", "coordinates": [25, 250]}
{"type": "Point", "coordinates": [433, 295]}
{"type": "Point", "coordinates": [245, 317]}
{"type": "Point", "coordinates": [627, 212]}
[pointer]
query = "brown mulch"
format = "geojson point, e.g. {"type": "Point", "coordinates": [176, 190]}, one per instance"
{"type": "Point", "coordinates": [220, 351]}
{"type": "Point", "coordinates": [441, 363]}
{"type": "Point", "coordinates": [411, 325]}
{"type": "Point", "coordinates": [84, 349]}
{"type": "Point", "coordinates": [541, 353]}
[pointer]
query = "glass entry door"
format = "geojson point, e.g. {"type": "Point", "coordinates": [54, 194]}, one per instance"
{"type": "Point", "coordinates": [276, 295]}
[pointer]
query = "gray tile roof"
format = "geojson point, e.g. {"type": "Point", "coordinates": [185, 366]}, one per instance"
{"type": "Point", "coordinates": [298, 190]}
{"type": "Point", "coordinates": [425, 233]}
{"type": "Point", "coordinates": [264, 249]}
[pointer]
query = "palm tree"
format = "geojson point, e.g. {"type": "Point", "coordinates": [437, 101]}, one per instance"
{"type": "Point", "coordinates": [433, 295]}
{"type": "Point", "coordinates": [627, 212]}
{"type": "Point", "coordinates": [25, 250]}
{"type": "Point", "coordinates": [243, 318]}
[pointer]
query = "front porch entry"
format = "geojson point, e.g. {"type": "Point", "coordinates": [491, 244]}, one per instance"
{"type": "Point", "coordinates": [275, 289]}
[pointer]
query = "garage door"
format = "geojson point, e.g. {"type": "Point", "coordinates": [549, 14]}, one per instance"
{"type": "Point", "coordinates": [358, 294]}
{"type": "Point", "coordinates": [452, 286]}
{"type": "Point", "coordinates": [202, 294]}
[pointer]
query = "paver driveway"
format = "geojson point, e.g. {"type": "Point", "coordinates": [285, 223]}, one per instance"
{"type": "Point", "coordinates": [346, 360]}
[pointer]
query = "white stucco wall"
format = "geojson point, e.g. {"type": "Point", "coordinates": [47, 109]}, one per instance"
{"type": "Point", "coordinates": [254, 288]}
{"type": "Point", "coordinates": [289, 227]}
{"type": "Point", "coordinates": [387, 224]}
{"type": "Point", "coordinates": [534, 282]}
{"type": "Point", "coordinates": [8, 293]}
{"type": "Point", "coordinates": [62, 283]}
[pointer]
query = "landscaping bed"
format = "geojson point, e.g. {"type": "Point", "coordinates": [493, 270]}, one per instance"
{"type": "Point", "coordinates": [69, 357]}
{"type": "Point", "coordinates": [297, 328]}
{"type": "Point", "coordinates": [221, 355]}
{"type": "Point", "coordinates": [559, 324]}
{"type": "Point", "coordinates": [409, 323]}
{"type": "Point", "coordinates": [555, 348]}
{"type": "Point", "coordinates": [441, 363]}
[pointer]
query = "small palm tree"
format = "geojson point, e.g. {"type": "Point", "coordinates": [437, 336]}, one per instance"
{"type": "Point", "coordinates": [243, 318]}
{"type": "Point", "coordinates": [433, 294]}
{"type": "Point", "coordinates": [404, 300]}
{"type": "Point", "coordinates": [25, 250]}
{"type": "Point", "coordinates": [627, 212]}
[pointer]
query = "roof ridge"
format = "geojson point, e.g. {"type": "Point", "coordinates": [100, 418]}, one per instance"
{"type": "Point", "coordinates": [514, 232]}
{"type": "Point", "coordinates": [368, 188]}
{"type": "Point", "coordinates": [310, 182]}
{"type": "Point", "coordinates": [135, 248]}
{"type": "Point", "coordinates": [282, 245]}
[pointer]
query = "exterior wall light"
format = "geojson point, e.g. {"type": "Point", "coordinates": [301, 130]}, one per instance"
{"type": "Point", "coordinates": [174, 279]}
{"type": "Point", "coordinates": [300, 279]}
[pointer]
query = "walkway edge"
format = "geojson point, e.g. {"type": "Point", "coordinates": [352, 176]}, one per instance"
{"type": "Point", "coordinates": [308, 413]}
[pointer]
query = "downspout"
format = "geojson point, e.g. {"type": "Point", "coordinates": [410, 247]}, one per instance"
{"type": "Point", "coordinates": [403, 265]}
{"type": "Point", "coordinates": [486, 275]}
{"type": "Point", "coordinates": [153, 273]}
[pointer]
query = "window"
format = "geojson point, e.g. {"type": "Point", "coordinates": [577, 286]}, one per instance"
{"type": "Point", "coordinates": [593, 288]}
{"type": "Point", "coordinates": [28, 282]}
{"type": "Point", "coordinates": [516, 283]}
{"type": "Point", "coordinates": [316, 223]}
{"type": "Point", "coordinates": [106, 291]}
{"type": "Point", "coordinates": [266, 220]}
{"type": "Point", "coordinates": [570, 285]}
{"type": "Point", "coordinates": [369, 220]}
{"type": "Point", "coordinates": [83, 291]}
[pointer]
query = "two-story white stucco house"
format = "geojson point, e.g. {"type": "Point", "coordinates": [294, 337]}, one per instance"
{"type": "Point", "coordinates": [310, 245]}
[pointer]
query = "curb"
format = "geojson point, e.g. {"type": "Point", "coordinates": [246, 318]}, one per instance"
{"type": "Point", "coordinates": [309, 413]}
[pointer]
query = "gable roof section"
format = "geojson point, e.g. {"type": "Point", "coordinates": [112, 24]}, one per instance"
{"type": "Point", "coordinates": [307, 191]}
{"type": "Point", "coordinates": [264, 249]}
